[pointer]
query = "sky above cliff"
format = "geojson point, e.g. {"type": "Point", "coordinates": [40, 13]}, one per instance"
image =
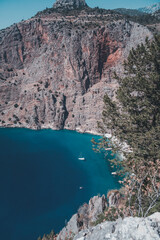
{"type": "Point", "coordinates": [13, 11]}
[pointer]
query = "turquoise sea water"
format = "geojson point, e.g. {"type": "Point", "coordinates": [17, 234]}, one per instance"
{"type": "Point", "coordinates": [40, 179]}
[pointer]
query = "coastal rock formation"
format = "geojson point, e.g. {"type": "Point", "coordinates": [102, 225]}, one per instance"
{"type": "Point", "coordinates": [56, 67]}
{"type": "Point", "coordinates": [114, 198]}
{"type": "Point", "coordinates": [128, 228]}
{"type": "Point", "coordinates": [86, 214]}
{"type": "Point", "coordinates": [69, 4]}
{"type": "Point", "coordinates": [84, 224]}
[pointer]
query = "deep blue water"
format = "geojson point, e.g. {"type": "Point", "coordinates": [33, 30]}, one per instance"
{"type": "Point", "coordinates": [40, 176]}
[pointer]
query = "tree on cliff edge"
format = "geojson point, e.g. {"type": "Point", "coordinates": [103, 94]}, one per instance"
{"type": "Point", "coordinates": [134, 119]}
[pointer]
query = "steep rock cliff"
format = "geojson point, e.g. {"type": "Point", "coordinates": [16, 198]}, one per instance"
{"type": "Point", "coordinates": [56, 67]}
{"type": "Point", "coordinates": [84, 224]}
{"type": "Point", "coordinates": [83, 219]}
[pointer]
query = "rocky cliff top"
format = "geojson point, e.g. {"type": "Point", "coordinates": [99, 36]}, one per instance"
{"type": "Point", "coordinates": [128, 228]}
{"type": "Point", "coordinates": [89, 224]}
{"type": "Point", "coordinates": [71, 4]}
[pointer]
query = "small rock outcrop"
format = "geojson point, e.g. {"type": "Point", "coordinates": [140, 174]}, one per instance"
{"type": "Point", "coordinates": [85, 216]}
{"type": "Point", "coordinates": [128, 228]}
{"type": "Point", "coordinates": [70, 4]}
{"type": "Point", "coordinates": [114, 198]}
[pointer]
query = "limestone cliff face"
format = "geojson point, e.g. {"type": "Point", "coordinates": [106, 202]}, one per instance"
{"type": "Point", "coordinates": [128, 228]}
{"type": "Point", "coordinates": [82, 225]}
{"type": "Point", "coordinates": [83, 219]}
{"type": "Point", "coordinates": [56, 68]}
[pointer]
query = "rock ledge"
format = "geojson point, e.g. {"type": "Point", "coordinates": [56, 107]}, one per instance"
{"type": "Point", "coordinates": [128, 228]}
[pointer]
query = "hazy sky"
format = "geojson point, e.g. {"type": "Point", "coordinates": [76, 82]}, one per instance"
{"type": "Point", "coordinates": [13, 11]}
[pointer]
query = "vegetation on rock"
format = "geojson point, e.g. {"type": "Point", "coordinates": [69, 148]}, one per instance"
{"type": "Point", "coordinates": [137, 16]}
{"type": "Point", "coordinates": [134, 119]}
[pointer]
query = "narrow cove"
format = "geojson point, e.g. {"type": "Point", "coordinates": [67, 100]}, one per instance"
{"type": "Point", "coordinates": [40, 179]}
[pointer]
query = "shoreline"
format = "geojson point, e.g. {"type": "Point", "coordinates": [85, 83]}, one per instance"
{"type": "Point", "coordinates": [78, 130]}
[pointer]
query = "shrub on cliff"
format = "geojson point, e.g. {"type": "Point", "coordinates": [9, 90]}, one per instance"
{"type": "Point", "coordinates": [144, 19]}
{"type": "Point", "coordinates": [134, 119]}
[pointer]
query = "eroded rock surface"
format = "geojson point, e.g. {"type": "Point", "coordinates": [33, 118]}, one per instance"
{"type": "Point", "coordinates": [56, 67]}
{"type": "Point", "coordinates": [128, 228]}
{"type": "Point", "coordinates": [85, 216]}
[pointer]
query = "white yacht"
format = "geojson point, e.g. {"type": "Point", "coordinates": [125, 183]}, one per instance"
{"type": "Point", "coordinates": [81, 158]}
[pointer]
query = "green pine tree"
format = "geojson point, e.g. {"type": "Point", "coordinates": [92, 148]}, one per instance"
{"type": "Point", "coordinates": [134, 118]}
